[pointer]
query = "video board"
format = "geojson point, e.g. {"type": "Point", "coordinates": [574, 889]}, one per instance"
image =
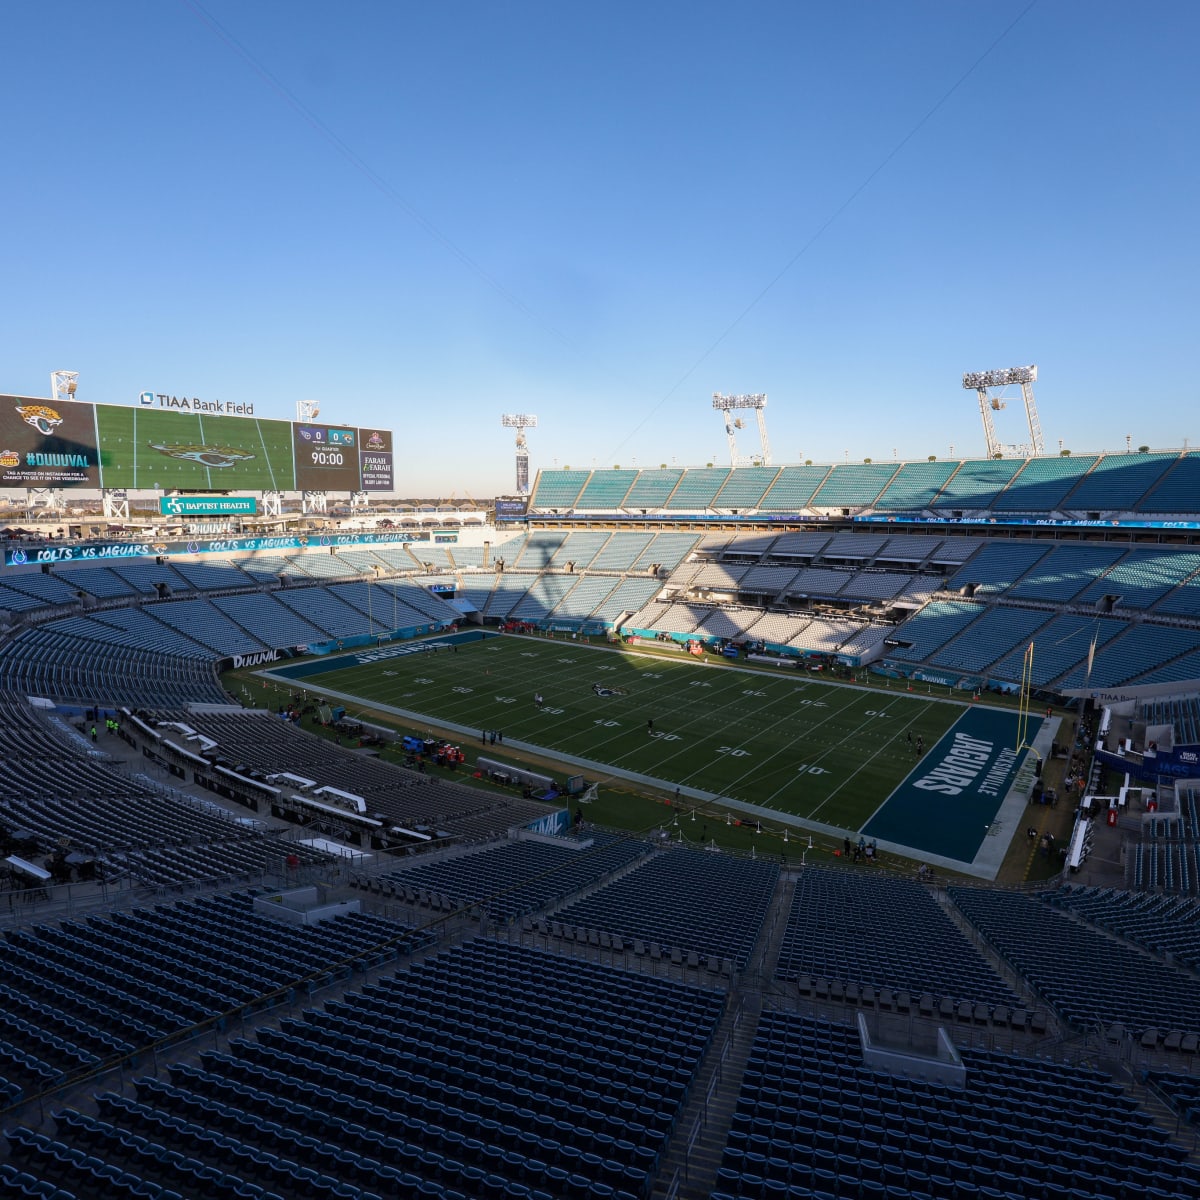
{"type": "Point", "coordinates": [73, 444]}
{"type": "Point", "coordinates": [47, 445]}
{"type": "Point", "coordinates": [149, 448]}
{"type": "Point", "coordinates": [375, 462]}
{"type": "Point", "coordinates": [326, 458]}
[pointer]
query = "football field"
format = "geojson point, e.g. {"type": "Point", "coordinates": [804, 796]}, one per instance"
{"type": "Point", "coordinates": [828, 754]}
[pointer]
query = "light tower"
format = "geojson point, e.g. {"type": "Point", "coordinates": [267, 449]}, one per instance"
{"type": "Point", "coordinates": [307, 410]}
{"type": "Point", "coordinates": [982, 382]}
{"type": "Point", "coordinates": [521, 422]}
{"type": "Point", "coordinates": [63, 384]}
{"type": "Point", "coordinates": [728, 405]}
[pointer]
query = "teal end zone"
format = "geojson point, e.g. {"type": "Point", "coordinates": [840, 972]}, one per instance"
{"type": "Point", "coordinates": [946, 803]}
{"type": "Point", "coordinates": [374, 654]}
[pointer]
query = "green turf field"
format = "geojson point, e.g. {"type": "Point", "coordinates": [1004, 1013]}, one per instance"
{"type": "Point", "coordinates": [785, 742]}
{"type": "Point", "coordinates": [261, 457]}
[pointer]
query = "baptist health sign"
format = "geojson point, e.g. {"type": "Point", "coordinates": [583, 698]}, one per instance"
{"type": "Point", "coordinates": [208, 506]}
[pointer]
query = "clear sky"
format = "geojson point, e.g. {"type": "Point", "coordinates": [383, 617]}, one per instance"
{"type": "Point", "coordinates": [426, 215]}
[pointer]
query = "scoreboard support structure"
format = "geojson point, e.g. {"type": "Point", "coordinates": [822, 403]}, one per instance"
{"type": "Point", "coordinates": [313, 502]}
{"type": "Point", "coordinates": [359, 500]}
{"type": "Point", "coordinates": [272, 504]}
{"type": "Point", "coordinates": [49, 498]}
{"type": "Point", "coordinates": [116, 503]}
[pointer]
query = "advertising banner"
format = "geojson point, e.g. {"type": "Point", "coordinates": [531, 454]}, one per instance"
{"type": "Point", "coordinates": [375, 460]}
{"type": "Point", "coordinates": [61, 552]}
{"type": "Point", "coordinates": [207, 506]}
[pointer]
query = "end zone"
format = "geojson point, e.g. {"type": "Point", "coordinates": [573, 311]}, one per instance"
{"type": "Point", "coordinates": [947, 807]}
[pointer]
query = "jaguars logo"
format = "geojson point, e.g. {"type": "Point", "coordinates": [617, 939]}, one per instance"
{"type": "Point", "coordinates": [44, 420]}
{"type": "Point", "coordinates": [206, 456]}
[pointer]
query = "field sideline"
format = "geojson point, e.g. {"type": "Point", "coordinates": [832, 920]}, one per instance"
{"type": "Point", "coordinates": [828, 754]}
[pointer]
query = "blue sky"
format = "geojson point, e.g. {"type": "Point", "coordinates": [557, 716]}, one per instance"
{"type": "Point", "coordinates": [424, 216]}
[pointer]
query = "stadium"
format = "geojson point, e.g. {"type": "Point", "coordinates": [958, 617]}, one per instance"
{"type": "Point", "coordinates": [802, 831]}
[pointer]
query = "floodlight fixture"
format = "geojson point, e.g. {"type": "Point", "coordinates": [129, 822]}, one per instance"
{"type": "Point", "coordinates": [307, 410]}
{"type": "Point", "coordinates": [974, 380]}
{"type": "Point", "coordinates": [726, 403]}
{"type": "Point", "coordinates": [518, 420]}
{"type": "Point", "coordinates": [63, 385]}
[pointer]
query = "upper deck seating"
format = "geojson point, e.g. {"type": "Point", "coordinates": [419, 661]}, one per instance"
{"type": "Point", "coordinates": [793, 489]}
{"type": "Point", "coordinates": [977, 483]}
{"type": "Point", "coordinates": [1178, 491]}
{"type": "Point", "coordinates": [915, 486]}
{"type": "Point", "coordinates": [875, 585]}
{"type": "Point", "coordinates": [322, 565]}
{"type": "Point", "coordinates": [698, 488]}
{"type": "Point", "coordinates": [745, 487]}
{"type": "Point", "coordinates": [853, 485]}
{"type": "Point", "coordinates": [1117, 482]}
{"type": "Point", "coordinates": [558, 489]}
{"type": "Point", "coordinates": [1043, 484]}
{"type": "Point", "coordinates": [651, 490]}
{"type": "Point", "coordinates": [721, 577]}
{"type": "Point", "coordinates": [605, 490]}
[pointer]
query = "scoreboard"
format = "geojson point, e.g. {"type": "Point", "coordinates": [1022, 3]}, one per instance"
{"type": "Point", "coordinates": [326, 458]}
{"type": "Point", "coordinates": [72, 444]}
